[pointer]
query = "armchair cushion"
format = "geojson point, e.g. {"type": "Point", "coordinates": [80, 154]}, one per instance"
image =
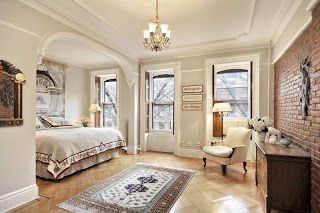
{"type": "Point", "coordinates": [218, 151]}
{"type": "Point", "coordinates": [237, 136]}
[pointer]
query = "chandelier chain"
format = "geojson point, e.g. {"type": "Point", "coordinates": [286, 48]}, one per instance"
{"type": "Point", "coordinates": [157, 10]}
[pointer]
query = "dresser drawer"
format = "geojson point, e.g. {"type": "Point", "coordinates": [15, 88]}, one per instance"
{"type": "Point", "coordinates": [288, 170]}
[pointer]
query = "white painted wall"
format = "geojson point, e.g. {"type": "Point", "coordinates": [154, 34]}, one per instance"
{"type": "Point", "coordinates": [17, 144]}
{"type": "Point", "coordinates": [77, 100]}
{"type": "Point", "coordinates": [124, 95]}
{"type": "Point", "coordinates": [193, 125]}
{"type": "Point", "coordinates": [21, 30]}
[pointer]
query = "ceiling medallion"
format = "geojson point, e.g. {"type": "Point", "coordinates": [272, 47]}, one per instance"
{"type": "Point", "coordinates": [158, 35]}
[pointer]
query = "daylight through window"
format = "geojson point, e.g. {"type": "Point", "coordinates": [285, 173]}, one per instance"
{"type": "Point", "coordinates": [110, 103]}
{"type": "Point", "coordinates": [162, 102]}
{"type": "Point", "coordinates": [232, 86]}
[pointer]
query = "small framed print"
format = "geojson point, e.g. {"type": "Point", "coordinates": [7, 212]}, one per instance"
{"type": "Point", "coordinates": [192, 107]}
{"type": "Point", "coordinates": [192, 89]}
{"type": "Point", "coordinates": [192, 97]}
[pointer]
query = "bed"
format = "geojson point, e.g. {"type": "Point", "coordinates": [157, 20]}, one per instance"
{"type": "Point", "coordinates": [62, 151]}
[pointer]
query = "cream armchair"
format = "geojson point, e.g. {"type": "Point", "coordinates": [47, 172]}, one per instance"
{"type": "Point", "coordinates": [233, 150]}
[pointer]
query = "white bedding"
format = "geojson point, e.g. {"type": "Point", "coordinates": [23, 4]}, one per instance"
{"type": "Point", "coordinates": [62, 147]}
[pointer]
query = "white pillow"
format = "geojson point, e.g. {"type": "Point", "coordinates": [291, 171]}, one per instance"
{"type": "Point", "coordinates": [60, 121]}
{"type": "Point", "coordinates": [56, 121]}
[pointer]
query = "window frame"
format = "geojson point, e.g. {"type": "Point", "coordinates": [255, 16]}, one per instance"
{"type": "Point", "coordinates": [103, 79]}
{"type": "Point", "coordinates": [249, 88]}
{"type": "Point", "coordinates": [152, 103]}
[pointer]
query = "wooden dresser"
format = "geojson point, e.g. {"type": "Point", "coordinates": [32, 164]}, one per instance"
{"type": "Point", "coordinates": [283, 176]}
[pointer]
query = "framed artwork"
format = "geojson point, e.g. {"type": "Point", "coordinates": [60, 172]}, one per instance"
{"type": "Point", "coordinates": [192, 97]}
{"type": "Point", "coordinates": [11, 81]}
{"type": "Point", "coordinates": [192, 106]}
{"type": "Point", "coordinates": [192, 89]}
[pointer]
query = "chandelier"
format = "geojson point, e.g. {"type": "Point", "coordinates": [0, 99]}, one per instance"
{"type": "Point", "coordinates": [158, 35]}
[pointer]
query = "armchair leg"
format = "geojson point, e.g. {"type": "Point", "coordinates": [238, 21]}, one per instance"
{"type": "Point", "coordinates": [244, 166]}
{"type": "Point", "coordinates": [224, 169]}
{"type": "Point", "coordinates": [204, 161]}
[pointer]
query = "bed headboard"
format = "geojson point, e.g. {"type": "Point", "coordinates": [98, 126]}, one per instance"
{"type": "Point", "coordinates": [50, 89]}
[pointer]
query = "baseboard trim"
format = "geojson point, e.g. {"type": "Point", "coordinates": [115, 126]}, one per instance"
{"type": "Point", "coordinates": [132, 150]}
{"type": "Point", "coordinates": [192, 153]}
{"type": "Point", "coordinates": [19, 197]}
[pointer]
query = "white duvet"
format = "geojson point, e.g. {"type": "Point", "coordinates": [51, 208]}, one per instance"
{"type": "Point", "coordinates": [61, 147]}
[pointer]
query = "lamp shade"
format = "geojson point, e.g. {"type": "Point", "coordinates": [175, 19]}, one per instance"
{"type": "Point", "coordinates": [221, 107]}
{"type": "Point", "coordinates": [95, 108]}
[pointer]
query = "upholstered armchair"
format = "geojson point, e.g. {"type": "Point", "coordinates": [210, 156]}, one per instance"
{"type": "Point", "coordinates": [233, 150]}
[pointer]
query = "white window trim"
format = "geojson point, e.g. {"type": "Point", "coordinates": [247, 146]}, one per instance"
{"type": "Point", "coordinates": [102, 79]}
{"type": "Point", "coordinates": [103, 72]}
{"type": "Point", "coordinates": [249, 91]}
{"type": "Point", "coordinates": [177, 102]}
{"type": "Point", "coordinates": [255, 58]}
{"type": "Point", "coordinates": [152, 74]}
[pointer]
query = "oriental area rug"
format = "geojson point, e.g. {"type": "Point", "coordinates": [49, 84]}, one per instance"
{"type": "Point", "coordinates": [140, 188]}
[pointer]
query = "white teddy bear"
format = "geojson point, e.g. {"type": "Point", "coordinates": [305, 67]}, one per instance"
{"type": "Point", "coordinates": [273, 135]}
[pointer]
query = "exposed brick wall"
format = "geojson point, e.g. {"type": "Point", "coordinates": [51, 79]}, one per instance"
{"type": "Point", "coordinates": [304, 132]}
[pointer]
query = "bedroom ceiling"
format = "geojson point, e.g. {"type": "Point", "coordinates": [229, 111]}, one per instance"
{"type": "Point", "coordinates": [77, 53]}
{"type": "Point", "coordinates": [197, 26]}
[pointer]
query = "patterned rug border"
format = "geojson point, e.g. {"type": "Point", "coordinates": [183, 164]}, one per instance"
{"type": "Point", "coordinates": [64, 205]}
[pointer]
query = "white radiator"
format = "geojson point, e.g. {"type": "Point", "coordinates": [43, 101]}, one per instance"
{"type": "Point", "coordinates": [160, 141]}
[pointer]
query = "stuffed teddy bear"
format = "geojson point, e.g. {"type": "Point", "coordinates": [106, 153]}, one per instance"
{"type": "Point", "coordinates": [273, 135]}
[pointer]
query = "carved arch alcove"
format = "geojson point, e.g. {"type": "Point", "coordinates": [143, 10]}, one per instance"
{"type": "Point", "coordinates": [121, 60]}
{"type": "Point", "coordinates": [11, 81]}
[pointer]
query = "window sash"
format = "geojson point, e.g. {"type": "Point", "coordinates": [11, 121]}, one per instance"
{"type": "Point", "coordinates": [239, 101]}
{"type": "Point", "coordinates": [171, 125]}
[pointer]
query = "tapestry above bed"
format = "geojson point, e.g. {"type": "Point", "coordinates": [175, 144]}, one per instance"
{"type": "Point", "coordinates": [50, 90]}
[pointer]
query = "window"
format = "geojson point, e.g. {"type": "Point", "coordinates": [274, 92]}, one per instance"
{"type": "Point", "coordinates": [110, 103]}
{"type": "Point", "coordinates": [162, 102]}
{"type": "Point", "coordinates": [232, 86]}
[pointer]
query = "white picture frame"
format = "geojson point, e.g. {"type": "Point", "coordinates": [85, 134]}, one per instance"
{"type": "Point", "coordinates": [192, 97]}
{"type": "Point", "coordinates": [192, 89]}
{"type": "Point", "coordinates": [192, 106]}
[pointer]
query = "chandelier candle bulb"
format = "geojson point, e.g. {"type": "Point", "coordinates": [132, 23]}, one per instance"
{"type": "Point", "coordinates": [164, 28]}
{"type": "Point", "coordinates": [152, 27]}
{"type": "Point", "coordinates": [168, 34]}
{"type": "Point", "coordinates": [146, 34]}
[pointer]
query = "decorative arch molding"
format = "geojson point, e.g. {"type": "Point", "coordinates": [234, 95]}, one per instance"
{"type": "Point", "coordinates": [123, 63]}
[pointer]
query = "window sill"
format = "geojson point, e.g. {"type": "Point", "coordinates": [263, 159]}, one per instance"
{"type": "Point", "coordinates": [161, 131]}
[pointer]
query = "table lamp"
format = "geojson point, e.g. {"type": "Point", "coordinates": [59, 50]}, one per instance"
{"type": "Point", "coordinates": [221, 108]}
{"type": "Point", "coordinates": [95, 108]}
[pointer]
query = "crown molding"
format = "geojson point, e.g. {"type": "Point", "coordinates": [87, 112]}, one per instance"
{"type": "Point", "coordinates": [312, 4]}
{"type": "Point", "coordinates": [309, 9]}
{"type": "Point", "coordinates": [21, 29]}
{"type": "Point", "coordinates": [46, 7]}
{"type": "Point", "coordinates": [69, 61]}
{"type": "Point", "coordinates": [203, 53]}
{"type": "Point", "coordinates": [282, 19]}
{"type": "Point", "coordinates": [183, 48]}
{"type": "Point", "coordinates": [86, 7]}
